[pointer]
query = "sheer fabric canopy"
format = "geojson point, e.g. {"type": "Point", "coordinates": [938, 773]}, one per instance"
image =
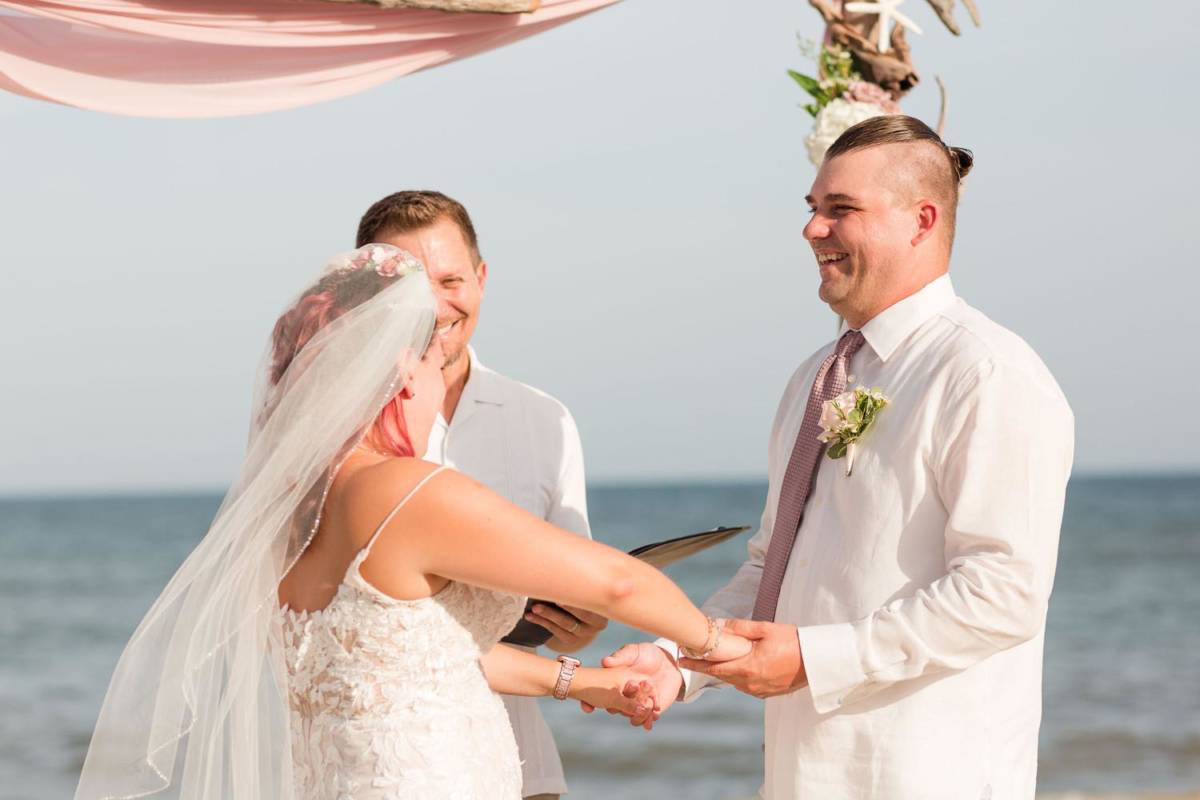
{"type": "Point", "coordinates": [215, 58]}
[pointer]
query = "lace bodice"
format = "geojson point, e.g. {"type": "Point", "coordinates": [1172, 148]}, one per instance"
{"type": "Point", "coordinates": [388, 698]}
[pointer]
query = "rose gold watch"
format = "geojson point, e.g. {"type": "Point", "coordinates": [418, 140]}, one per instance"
{"type": "Point", "coordinates": [566, 671]}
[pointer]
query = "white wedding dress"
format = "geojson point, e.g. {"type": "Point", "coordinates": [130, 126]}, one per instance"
{"type": "Point", "coordinates": [388, 697]}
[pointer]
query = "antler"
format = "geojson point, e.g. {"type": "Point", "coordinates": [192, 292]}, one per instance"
{"type": "Point", "coordinates": [945, 12]}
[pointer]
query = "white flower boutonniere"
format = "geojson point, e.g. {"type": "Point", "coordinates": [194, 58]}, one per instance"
{"type": "Point", "coordinates": [846, 419]}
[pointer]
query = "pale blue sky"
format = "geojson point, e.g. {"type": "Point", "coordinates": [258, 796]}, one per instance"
{"type": "Point", "coordinates": [637, 178]}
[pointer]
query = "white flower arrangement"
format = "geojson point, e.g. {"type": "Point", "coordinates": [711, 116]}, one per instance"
{"type": "Point", "coordinates": [833, 120]}
{"type": "Point", "coordinates": [846, 419]}
{"type": "Point", "coordinates": [840, 98]}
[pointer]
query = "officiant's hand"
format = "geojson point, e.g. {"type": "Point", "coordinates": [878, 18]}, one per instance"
{"type": "Point", "coordinates": [572, 631]}
{"type": "Point", "coordinates": [653, 664]}
{"type": "Point", "coordinates": [774, 665]}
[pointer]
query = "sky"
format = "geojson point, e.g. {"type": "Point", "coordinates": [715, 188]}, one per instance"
{"type": "Point", "coordinates": [637, 179]}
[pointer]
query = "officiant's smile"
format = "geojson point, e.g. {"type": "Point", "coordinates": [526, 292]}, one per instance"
{"type": "Point", "coordinates": [457, 275]}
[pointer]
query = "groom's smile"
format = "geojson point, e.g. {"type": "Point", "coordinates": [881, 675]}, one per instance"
{"type": "Point", "coordinates": [868, 220]}
{"type": "Point", "coordinates": [830, 262]}
{"type": "Point", "coordinates": [833, 265]}
{"type": "Point", "coordinates": [827, 257]}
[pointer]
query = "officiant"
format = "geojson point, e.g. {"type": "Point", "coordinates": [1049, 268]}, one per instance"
{"type": "Point", "coordinates": [516, 440]}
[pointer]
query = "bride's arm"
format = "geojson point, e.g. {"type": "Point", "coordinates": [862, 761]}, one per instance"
{"type": "Point", "coordinates": [512, 671]}
{"type": "Point", "coordinates": [458, 529]}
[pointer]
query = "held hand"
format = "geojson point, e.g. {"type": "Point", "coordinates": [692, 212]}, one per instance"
{"type": "Point", "coordinates": [732, 646]}
{"type": "Point", "coordinates": [774, 665]}
{"type": "Point", "coordinates": [571, 633]}
{"type": "Point", "coordinates": [617, 690]}
{"type": "Point", "coordinates": [649, 662]}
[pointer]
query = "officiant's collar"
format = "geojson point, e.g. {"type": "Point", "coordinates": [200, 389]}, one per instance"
{"type": "Point", "coordinates": [888, 329]}
{"type": "Point", "coordinates": [482, 384]}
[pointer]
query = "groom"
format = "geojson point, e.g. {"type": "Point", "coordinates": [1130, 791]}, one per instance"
{"type": "Point", "coordinates": [899, 606]}
{"type": "Point", "coordinates": [519, 442]}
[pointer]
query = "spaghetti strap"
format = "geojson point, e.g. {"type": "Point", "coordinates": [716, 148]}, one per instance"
{"type": "Point", "coordinates": [366, 550]}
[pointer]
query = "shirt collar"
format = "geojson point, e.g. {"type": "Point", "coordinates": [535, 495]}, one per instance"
{"type": "Point", "coordinates": [888, 329]}
{"type": "Point", "coordinates": [482, 384]}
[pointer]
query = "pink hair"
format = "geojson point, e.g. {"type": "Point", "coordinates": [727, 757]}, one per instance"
{"type": "Point", "coordinates": [389, 432]}
{"type": "Point", "coordinates": [333, 296]}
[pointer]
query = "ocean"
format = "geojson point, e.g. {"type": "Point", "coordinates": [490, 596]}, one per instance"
{"type": "Point", "coordinates": [1122, 685]}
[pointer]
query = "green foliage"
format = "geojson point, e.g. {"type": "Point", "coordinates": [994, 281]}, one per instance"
{"type": "Point", "coordinates": [838, 68]}
{"type": "Point", "coordinates": [813, 87]}
{"type": "Point", "coordinates": [810, 85]}
{"type": "Point", "coordinates": [857, 421]}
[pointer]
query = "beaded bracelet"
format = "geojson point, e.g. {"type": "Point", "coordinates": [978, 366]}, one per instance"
{"type": "Point", "coordinates": [714, 635]}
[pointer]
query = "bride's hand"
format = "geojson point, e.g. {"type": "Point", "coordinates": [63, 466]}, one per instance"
{"type": "Point", "coordinates": [618, 690]}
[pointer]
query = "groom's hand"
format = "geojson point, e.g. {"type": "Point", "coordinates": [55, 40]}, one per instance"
{"type": "Point", "coordinates": [774, 666]}
{"type": "Point", "coordinates": [653, 664]}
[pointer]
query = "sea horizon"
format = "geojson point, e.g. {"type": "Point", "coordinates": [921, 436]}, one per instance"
{"type": "Point", "coordinates": [603, 482]}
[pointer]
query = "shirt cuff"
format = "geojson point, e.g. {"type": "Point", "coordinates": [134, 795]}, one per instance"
{"type": "Point", "coordinates": [832, 664]}
{"type": "Point", "coordinates": [694, 683]}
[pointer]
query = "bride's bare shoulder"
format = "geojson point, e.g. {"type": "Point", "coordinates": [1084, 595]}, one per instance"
{"type": "Point", "coordinates": [367, 496]}
{"type": "Point", "coordinates": [363, 497]}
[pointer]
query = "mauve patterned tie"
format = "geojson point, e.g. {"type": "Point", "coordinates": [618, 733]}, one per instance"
{"type": "Point", "coordinates": [801, 470]}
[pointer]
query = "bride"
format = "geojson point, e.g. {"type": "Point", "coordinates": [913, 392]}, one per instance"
{"type": "Point", "coordinates": [334, 635]}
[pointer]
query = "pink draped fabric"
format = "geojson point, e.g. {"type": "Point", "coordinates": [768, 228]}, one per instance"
{"type": "Point", "coordinates": [215, 58]}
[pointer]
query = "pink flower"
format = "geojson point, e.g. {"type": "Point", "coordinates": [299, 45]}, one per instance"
{"type": "Point", "coordinates": [361, 258]}
{"type": "Point", "coordinates": [386, 260]}
{"type": "Point", "coordinates": [396, 263]}
{"type": "Point", "coordinates": [867, 92]}
{"type": "Point", "coordinates": [391, 267]}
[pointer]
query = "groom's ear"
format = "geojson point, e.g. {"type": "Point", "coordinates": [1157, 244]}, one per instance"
{"type": "Point", "coordinates": [481, 273]}
{"type": "Point", "coordinates": [928, 216]}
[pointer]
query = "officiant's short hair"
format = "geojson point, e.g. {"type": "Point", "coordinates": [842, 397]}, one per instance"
{"type": "Point", "coordinates": [413, 210]}
{"type": "Point", "coordinates": [947, 170]}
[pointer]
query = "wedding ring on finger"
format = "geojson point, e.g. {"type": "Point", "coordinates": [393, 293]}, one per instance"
{"type": "Point", "coordinates": [574, 627]}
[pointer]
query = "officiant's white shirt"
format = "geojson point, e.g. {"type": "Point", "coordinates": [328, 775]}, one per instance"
{"type": "Point", "coordinates": [919, 583]}
{"type": "Point", "coordinates": [522, 444]}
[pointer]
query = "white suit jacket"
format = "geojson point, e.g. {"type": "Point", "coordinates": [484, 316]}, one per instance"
{"type": "Point", "coordinates": [919, 583]}
{"type": "Point", "coordinates": [522, 444]}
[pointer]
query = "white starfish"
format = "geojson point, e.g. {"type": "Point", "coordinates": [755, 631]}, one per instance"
{"type": "Point", "coordinates": [887, 10]}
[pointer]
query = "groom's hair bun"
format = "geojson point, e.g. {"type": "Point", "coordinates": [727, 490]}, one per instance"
{"type": "Point", "coordinates": [935, 167]}
{"type": "Point", "coordinates": [964, 159]}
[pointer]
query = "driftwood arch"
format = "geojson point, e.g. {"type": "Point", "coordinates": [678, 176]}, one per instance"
{"type": "Point", "coordinates": [892, 69]}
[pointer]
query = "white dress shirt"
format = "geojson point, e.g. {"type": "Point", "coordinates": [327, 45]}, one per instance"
{"type": "Point", "coordinates": [919, 583]}
{"type": "Point", "coordinates": [522, 444]}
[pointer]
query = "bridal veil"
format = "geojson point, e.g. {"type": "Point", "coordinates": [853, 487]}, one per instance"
{"type": "Point", "coordinates": [197, 707]}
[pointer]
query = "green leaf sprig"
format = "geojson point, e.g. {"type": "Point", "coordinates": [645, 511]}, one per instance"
{"type": "Point", "coordinates": [837, 66]}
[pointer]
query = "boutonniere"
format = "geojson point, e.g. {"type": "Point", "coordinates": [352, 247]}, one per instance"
{"type": "Point", "coordinates": [846, 419]}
